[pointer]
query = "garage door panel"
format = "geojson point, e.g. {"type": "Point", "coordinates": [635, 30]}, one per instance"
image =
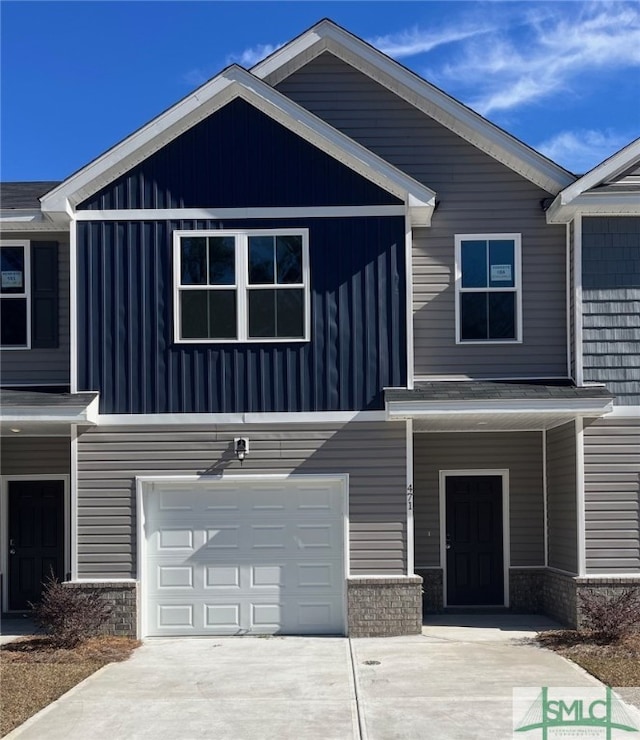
{"type": "Point", "coordinates": [248, 557]}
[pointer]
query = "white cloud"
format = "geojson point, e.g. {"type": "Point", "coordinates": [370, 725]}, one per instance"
{"type": "Point", "coordinates": [581, 150]}
{"type": "Point", "coordinates": [196, 77]}
{"type": "Point", "coordinates": [418, 41]}
{"type": "Point", "coordinates": [546, 52]}
{"type": "Point", "coordinates": [253, 55]}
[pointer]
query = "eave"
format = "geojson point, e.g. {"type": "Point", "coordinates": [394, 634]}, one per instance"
{"type": "Point", "coordinates": [26, 413]}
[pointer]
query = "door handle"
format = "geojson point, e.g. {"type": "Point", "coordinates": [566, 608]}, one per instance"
{"type": "Point", "coordinates": [12, 551]}
{"type": "Point", "coordinates": [447, 545]}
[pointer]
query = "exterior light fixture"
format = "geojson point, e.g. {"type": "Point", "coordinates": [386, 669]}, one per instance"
{"type": "Point", "coordinates": [15, 430]}
{"type": "Point", "coordinates": [241, 447]}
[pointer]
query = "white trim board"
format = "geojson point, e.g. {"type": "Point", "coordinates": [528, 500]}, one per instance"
{"type": "Point", "coordinates": [327, 36]}
{"type": "Point", "coordinates": [506, 535]}
{"type": "Point", "coordinates": [214, 214]}
{"type": "Point", "coordinates": [294, 417]}
{"type": "Point", "coordinates": [235, 82]}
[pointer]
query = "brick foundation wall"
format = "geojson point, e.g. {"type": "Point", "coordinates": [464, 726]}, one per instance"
{"type": "Point", "coordinates": [124, 599]}
{"type": "Point", "coordinates": [432, 593]}
{"type": "Point", "coordinates": [384, 607]}
{"type": "Point", "coordinates": [559, 597]}
{"type": "Point", "coordinates": [526, 590]}
{"type": "Point", "coordinates": [609, 587]}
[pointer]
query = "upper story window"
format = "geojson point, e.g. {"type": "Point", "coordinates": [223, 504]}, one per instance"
{"type": "Point", "coordinates": [15, 304]}
{"type": "Point", "coordinates": [488, 288]}
{"type": "Point", "coordinates": [241, 286]}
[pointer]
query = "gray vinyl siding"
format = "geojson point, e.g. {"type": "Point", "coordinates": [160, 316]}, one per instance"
{"type": "Point", "coordinates": [373, 454]}
{"type": "Point", "coordinates": [520, 453]}
{"type": "Point", "coordinates": [477, 195]}
{"type": "Point", "coordinates": [611, 305]}
{"type": "Point", "coordinates": [612, 495]}
{"type": "Point", "coordinates": [43, 366]}
{"type": "Point", "coordinates": [572, 306]}
{"type": "Point", "coordinates": [561, 498]}
{"type": "Point", "coordinates": [35, 456]}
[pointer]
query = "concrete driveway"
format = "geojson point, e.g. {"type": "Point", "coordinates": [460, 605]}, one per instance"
{"type": "Point", "coordinates": [454, 681]}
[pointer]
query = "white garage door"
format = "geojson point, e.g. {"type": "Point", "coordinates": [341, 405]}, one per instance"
{"type": "Point", "coordinates": [244, 556]}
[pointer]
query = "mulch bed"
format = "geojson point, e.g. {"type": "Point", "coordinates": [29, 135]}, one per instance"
{"type": "Point", "coordinates": [615, 664]}
{"type": "Point", "coordinates": [33, 673]}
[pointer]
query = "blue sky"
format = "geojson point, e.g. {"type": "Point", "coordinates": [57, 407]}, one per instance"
{"type": "Point", "coordinates": [564, 77]}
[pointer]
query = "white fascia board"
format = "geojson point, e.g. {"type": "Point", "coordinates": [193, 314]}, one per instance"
{"type": "Point", "coordinates": [87, 415]}
{"type": "Point", "coordinates": [31, 220]}
{"type": "Point", "coordinates": [233, 83]}
{"type": "Point", "coordinates": [606, 170]}
{"type": "Point", "coordinates": [468, 124]}
{"type": "Point", "coordinates": [594, 204]}
{"type": "Point", "coordinates": [293, 417]}
{"type": "Point", "coordinates": [215, 214]}
{"type": "Point", "coordinates": [417, 409]}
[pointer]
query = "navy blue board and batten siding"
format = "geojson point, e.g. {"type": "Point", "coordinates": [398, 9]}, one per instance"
{"type": "Point", "coordinates": [238, 157]}
{"type": "Point", "coordinates": [125, 324]}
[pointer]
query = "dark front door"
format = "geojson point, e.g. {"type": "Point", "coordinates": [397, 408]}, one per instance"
{"type": "Point", "coordinates": [475, 575]}
{"type": "Point", "coordinates": [36, 538]}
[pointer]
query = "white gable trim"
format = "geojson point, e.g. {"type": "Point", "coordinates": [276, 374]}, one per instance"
{"type": "Point", "coordinates": [577, 199]}
{"type": "Point", "coordinates": [327, 36]}
{"type": "Point", "coordinates": [233, 83]}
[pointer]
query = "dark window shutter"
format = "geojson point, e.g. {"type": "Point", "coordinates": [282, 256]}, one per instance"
{"type": "Point", "coordinates": [44, 295]}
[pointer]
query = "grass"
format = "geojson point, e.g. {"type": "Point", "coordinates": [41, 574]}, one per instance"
{"type": "Point", "coordinates": [33, 673]}
{"type": "Point", "coordinates": [615, 664]}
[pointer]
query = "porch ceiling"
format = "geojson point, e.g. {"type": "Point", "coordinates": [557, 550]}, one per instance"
{"type": "Point", "coordinates": [466, 406]}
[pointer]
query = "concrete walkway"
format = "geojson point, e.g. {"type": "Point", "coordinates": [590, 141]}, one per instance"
{"type": "Point", "coordinates": [453, 682]}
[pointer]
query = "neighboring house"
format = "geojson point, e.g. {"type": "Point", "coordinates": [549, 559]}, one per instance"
{"type": "Point", "coordinates": [330, 338]}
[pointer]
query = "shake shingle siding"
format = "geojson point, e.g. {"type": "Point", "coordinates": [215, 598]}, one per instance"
{"type": "Point", "coordinates": [611, 305]}
{"type": "Point", "coordinates": [476, 194]}
{"type": "Point", "coordinates": [373, 454]}
{"type": "Point", "coordinates": [612, 492]}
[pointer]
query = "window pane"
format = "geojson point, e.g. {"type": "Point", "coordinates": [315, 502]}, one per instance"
{"type": "Point", "coordinates": [474, 264]}
{"type": "Point", "coordinates": [290, 313]}
{"type": "Point", "coordinates": [12, 277]}
{"type": "Point", "coordinates": [289, 259]}
{"type": "Point", "coordinates": [473, 316]}
{"type": "Point", "coordinates": [222, 260]}
{"type": "Point", "coordinates": [222, 314]}
{"type": "Point", "coordinates": [208, 314]}
{"type": "Point", "coordinates": [502, 268]}
{"type": "Point", "coordinates": [502, 315]}
{"type": "Point", "coordinates": [261, 257]}
{"type": "Point", "coordinates": [193, 260]}
{"type": "Point", "coordinates": [13, 322]}
{"type": "Point", "coordinates": [262, 313]}
{"type": "Point", "coordinates": [194, 324]}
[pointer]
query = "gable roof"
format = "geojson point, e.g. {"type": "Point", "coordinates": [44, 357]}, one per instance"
{"type": "Point", "coordinates": [235, 82]}
{"type": "Point", "coordinates": [611, 188]}
{"type": "Point", "coordinates": [469, 125]}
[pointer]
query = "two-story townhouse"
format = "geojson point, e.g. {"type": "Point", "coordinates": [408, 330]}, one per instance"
{"type": "Point", "coordinates": [331, 328]}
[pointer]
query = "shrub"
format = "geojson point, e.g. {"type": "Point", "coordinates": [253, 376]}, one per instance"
{"type": "Point", "coordinates": [610, 618]}
{"type": "Point", "coordinates": [70, 615]}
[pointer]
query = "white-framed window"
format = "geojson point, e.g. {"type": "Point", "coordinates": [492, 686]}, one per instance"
{"type": "Point", "coordinates": [488, 285]}
{"type": "Point", "coordinates": [241, 285]}
{"type": "Point", "coordinates": [15, 294]}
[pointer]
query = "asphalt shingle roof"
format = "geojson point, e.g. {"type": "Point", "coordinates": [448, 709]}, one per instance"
{"type": "Point", "coordinates": [24, 194]}
{"type": "Point", "coordinates": [495, 390]}
{"type": "Point", "coordinates": [20, 399]}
